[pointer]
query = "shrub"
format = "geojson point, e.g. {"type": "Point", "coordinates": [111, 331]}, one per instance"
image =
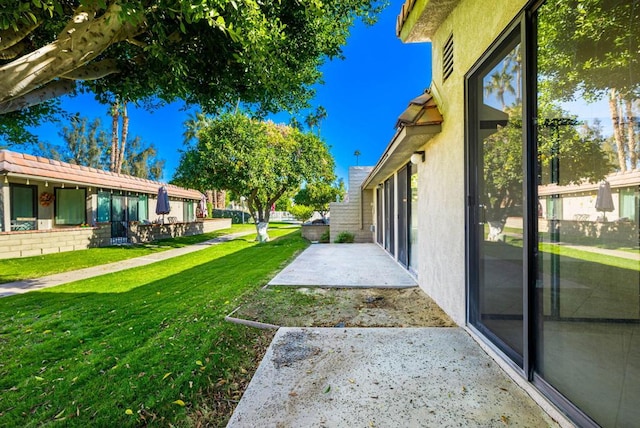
{"type": "Point", "coordinates": [234, 215]}
{"type": "Point", "coordinates": [301, 212]}
{"type": "Point", "coordinates": [325, 237]}
{"type": "Point", "coordinates": [345, 238]}
{"type": "Point", "coordinates": [209, 210]}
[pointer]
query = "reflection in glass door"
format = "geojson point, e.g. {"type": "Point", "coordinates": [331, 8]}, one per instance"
{"type": "Point", "coordinates": [588, 282]}
{"type": "Point", "coordinates": [496, 213]}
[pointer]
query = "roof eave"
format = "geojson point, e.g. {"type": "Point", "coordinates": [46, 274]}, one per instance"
{"type": "Point", "coordinates": [406, 141]}
{"type": "Point", "coordinates": [419, 19]}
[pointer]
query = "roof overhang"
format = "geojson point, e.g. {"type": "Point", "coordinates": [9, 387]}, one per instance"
{"type": "Point", "coordinates": [20, 165]}
{"type": "Point", "coordinates": [405, 142]}
{"type": "Point", "coordinates": [419, 19]}
{"type": "Point", "coordinates": [415, 127]}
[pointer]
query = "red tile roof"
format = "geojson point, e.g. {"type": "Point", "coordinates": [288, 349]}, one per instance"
{"type": "Point", "coordinates": [36, 167]}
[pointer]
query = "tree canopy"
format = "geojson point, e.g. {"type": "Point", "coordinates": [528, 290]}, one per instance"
{"type": "Point", "coordinates": [255, 159]}
{"type": "Point", "coordinates": [318, 195]}
{"type": "Point", "coordinates": [206, 52]}
{"type": "Point", "coordinates": [87, 143]}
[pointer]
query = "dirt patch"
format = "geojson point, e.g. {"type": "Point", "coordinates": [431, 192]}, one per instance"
{"type": "Point", "coordinates": [343, 307]}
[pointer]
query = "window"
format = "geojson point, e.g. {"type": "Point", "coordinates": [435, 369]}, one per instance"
{"type": "Point", "coordinates": [143, 207]}
{"type": "Point", "coordinates": [629, 203]}
{"type": "Point", "coordinates": [104, 207]}
{"type": "Point", "coordinates": [70, 206]}
{"type": "Point", "coordinates": [132, 208]}
{"type": "Point", "coordinates": [188, 211]}
{"type": "Point", "coordinates": [24, 208]}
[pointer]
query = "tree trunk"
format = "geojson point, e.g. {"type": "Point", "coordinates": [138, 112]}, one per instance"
{"type": "Point", "coordinates": [631, 133]}
{"type": "Point", "coordinates": [123, 140]}
{"type": "Point", "coordinates": [495, 230]}
{"type": "Point", "coordinates": [115, 114]}
{"type": "Point", "coordinates": [617, 129]}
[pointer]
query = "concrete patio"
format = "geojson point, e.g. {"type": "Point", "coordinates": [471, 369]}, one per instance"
{"type": "Point", "coordinates": [377, 377]}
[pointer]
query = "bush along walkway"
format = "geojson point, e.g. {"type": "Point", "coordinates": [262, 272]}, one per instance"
{"type": "Point", "coordinates": [148, 345]}
{"type": "Point", "coordinates": [18, 287]}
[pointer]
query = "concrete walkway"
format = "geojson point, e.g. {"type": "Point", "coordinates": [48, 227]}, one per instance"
{"type": "Point", "coordinates": [345, 265]}
{"type": "Point", "coordinates": [382, 377]}
{"type": "Point", "coordinates": [19, 287]}
{"type": "Point", "coordinates": [376, 377]}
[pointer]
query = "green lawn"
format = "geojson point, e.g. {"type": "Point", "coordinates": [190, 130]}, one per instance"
{"type": "Point", "coordinates": [34, 267]}
{"type": "Point", "coordinates": [144, 346]}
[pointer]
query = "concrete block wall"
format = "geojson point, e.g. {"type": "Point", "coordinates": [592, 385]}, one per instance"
{"type": "Point", "coordinates": [139, 233]}
{"type": "Point", "coordinates": [313, 232]}
{"type": "Point", "coordinates": [354, 215]}
{"type": "Point", "coordinates": [39, 242]}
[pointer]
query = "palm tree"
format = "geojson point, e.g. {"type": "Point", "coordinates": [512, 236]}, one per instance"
{"type": "Point", "coordinates": [357, 155]}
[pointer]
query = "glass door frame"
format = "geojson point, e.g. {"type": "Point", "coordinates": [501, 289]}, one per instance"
{"type": "Point", "coordinates": [518, 29]}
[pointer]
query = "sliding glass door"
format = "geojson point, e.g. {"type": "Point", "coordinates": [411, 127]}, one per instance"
{"type": "Point", "coordinates": [587, 134]}
{"type": "Point", "coordinates": [495, 185]}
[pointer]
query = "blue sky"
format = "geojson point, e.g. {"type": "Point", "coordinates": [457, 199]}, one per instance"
{"type": "Point", "coordinates": [363, 95]}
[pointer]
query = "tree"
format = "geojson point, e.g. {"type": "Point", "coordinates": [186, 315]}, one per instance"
{"type": "Point", "coordinates": [319, 195]}
{"type": "Point", "coordinates": [357, 155]}
{"type": "Point", "coordinates": [259, 160]}
{"type": "Point", "coordinates": [84, 143]}
{"type": "Point", "coordinates": [87, 143]}
{"type": "Point", "coordinates": [13, 125]}
{"type": "Point", "coordinates": [210, 52]}
{"type": "Point", "coordinates": [589, 48]}
{"type": "Point", "coordinates": [301, 212]}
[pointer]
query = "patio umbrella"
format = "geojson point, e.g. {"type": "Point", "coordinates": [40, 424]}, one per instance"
{"type": "Point", "coordinates": [163, 207]}
{"type": "Point", "coordinates": [604, 201]}
{"type": "Point", "coordinates": [203, 206]}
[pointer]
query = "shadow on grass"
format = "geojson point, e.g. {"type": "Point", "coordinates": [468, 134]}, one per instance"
{"type": "Point", "coordinates": [129, 348]}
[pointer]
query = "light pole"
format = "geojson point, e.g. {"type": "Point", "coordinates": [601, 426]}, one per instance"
{"type": "Point", "coordinates": [242, 199]}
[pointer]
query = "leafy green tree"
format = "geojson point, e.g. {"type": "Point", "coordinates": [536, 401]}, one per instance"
{"type": "Point", "coordinates": [259, 160]}
{"type": "Point", "coordinates": [589, 48]}
{"type": "Point", "coordinates": [87, 143]}
{"type": "Point", "coordinates": [13, 125]}
{"type": "Point", "coordinates": [208, 52]}
{"type": "Point", "coordinates": [301, 212]}
{"type": "Point", "coordinates": [319, 195]}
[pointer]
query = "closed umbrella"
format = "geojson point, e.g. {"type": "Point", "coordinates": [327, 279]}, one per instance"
{"type": "Point", "coordinates": [163, 207]}
{"type": "Point", "coordinates": [203, 206]}
{"type": "Point", "coordinates": [604, 201]}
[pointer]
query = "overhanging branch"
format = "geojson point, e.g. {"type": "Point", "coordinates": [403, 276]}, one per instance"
{"type": "Point", "coordinates": [51, 90]}
{"type": "Point", "coordinates": [93, 71]}
{"type": "Point", "coordinates": [11, 37]}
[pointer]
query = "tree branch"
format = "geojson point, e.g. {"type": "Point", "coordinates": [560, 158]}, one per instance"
{"type": "Point", "coordinates": [13, 51]}
{"type": "Point", "coordinates": [94, 70]}
{"type": "Point", "coordinates": [81, 43]}
{"type": "Point", "coordinates": [11, 37]}
{"type": "Point", "coordinates": [51, 90]}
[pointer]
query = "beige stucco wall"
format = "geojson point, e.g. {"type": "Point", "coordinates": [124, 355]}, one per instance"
{"type": "Point", "coordinates": [441, 272]}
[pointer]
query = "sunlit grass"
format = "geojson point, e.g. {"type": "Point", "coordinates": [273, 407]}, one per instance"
{"type": "Point", "coordinates": [35, 267]}
{"type": "Point", "coordinates": [143, 346]}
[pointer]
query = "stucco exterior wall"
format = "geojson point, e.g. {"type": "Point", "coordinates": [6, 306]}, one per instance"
{"type": "Point", "coordinates": [441, 178]}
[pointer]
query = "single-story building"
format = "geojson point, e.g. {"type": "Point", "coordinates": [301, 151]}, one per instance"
{"type": "Point", "coordinates": [481, 190]}
{"type": "Point", "coordinates": [52, 206]}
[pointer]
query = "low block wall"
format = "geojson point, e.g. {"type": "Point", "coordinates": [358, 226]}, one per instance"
{"type": "Point", "coordinates": [313, 232]}
{"type": "Point", "coordinates": [139, 233]}
{"type": "Point", "coordinates": [38, 242]}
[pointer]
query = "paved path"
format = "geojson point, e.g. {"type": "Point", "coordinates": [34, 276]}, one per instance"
{"type": "Point", "coordinates": [19, 287]}
{"type": "Point", "coordinates": [382, 377]}
{"type": "Point", "coordinates": [345, 265]}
